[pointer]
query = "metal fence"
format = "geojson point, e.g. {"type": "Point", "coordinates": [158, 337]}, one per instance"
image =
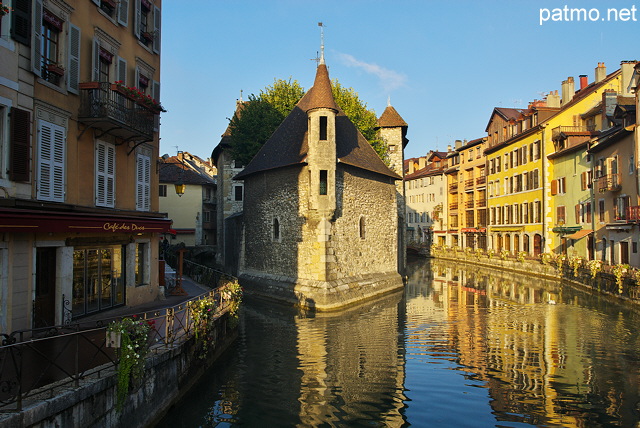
{"type": "Point", "coordinates": [64, 355]}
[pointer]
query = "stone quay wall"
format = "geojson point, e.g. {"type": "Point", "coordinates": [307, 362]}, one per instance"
{"type": "Point", "coordinates": [169, 373]}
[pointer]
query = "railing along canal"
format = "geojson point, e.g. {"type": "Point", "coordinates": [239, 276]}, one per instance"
{"type": "Point", "coordinates": [64, 355]}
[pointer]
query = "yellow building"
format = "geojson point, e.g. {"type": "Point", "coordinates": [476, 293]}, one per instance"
{"type": "Point", "coordinates": [527, 212]}
{"type": "Point", "coordinates": [80, 223]}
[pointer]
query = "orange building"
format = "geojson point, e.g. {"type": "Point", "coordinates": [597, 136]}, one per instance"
{"type": "Point", "coordinates": [80, 227]}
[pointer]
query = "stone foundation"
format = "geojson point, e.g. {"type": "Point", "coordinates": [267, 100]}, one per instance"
{"type": "Point", "coordinates": [321, 295]}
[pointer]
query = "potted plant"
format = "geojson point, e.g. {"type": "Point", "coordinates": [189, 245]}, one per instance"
{"type": "Point", "coordinates": [4, 9]}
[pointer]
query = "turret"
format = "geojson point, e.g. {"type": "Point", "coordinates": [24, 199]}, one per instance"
{"type": "Point", "coordinates": [392, 129]}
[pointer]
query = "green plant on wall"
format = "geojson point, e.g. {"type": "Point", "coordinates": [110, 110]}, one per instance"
{"type": "Point", "coordinates": [594, 266]}
{"type": "Point", "coordinates": [203, 313]}
{"type": "Point", "coordinates": [619, 271]}
{"type": "Point", "coordinates": [133, 340]}
{"type": "Point", "coordinates": [575, 262]}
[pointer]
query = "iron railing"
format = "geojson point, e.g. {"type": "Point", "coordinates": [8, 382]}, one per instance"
{"type": "Point", "coordinates": [102, 102]}
{"type": "Point", "coordinates": [608, 182]}
{"type": "Point", "coordinates": [65, 354]}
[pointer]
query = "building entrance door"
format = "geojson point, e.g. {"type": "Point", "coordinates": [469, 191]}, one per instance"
{"type": "Point", "coordinates": [44, 308]}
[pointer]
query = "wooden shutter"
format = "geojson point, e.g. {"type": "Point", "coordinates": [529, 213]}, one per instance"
{"type": "Point", "coordinates": [21, 21]}
{"type": "Point", "coordinates": [20, 145]}
{"type": "Point", "coordinates": [122, 70]}
{"type": "Point", "coordinates": [578, 213]}
{"type": "Point", "coordinates": [73, 68]}
{"type": "Point", "coordinates": [123, 13]}
{"type": "Point", "coordinates": [36, 45]}
{"type": "Point", "coordinates": [105, 174]}
{"type": "Point", "coordinates": [95, 60]}
{"type": "Point", "coordinates": [137, 18]}
{"type": "Point", "coordinates": [554, 187]}
{"type": "Point", "coordinates": [156, 29]}
{"type": "Point", "coordinates": [51, 154]}
{"type": "Point", "coordinates": [143, 183]}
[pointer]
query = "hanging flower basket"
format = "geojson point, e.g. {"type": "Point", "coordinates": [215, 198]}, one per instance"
{"type": "Point", "coordinates": [4, 9]}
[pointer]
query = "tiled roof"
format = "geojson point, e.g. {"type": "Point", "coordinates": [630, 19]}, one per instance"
{"type": "Point", "coordinates": [172, 171]}
{"type": "Point", "coordinates": [391, 119]}
{"type": "Point", "coordinates": [289, 143]}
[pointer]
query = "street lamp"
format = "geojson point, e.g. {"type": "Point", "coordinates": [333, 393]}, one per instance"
{"type": "Point", "coordinates": [180, 187]}
{"type": "Point", "coordinates": [179, 184]}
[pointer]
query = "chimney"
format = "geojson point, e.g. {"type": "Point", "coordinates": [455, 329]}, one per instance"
{"type": "Point", "coordinates": [422, 162]}
{"type": "Point", "coordinates": [553, 99]}
{"type": "Point", "coordinates": [568, 90]}
{"type": "Point", "coordinates": [627, 73]}
{"type": "Point", "coordinates": [584, 81]}
{"type": "Point", "coordinates": [458, 144]}
{"type": "Point", "coordinates": [601, 72]}
{"type": "Point", "coordinates": [609, 102]}
{"type": "Point", "coordinates": [448, 148]}
{"type": "Point", "coordinates": [411, 167]}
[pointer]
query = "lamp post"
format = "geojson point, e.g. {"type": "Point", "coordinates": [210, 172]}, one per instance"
{"type": "Point", "coordinates": [179, 185]}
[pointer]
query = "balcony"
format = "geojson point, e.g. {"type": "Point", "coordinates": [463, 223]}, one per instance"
{"type": "Point", "coordinates": [468, 184]}
{"type": "Point", "coordinates": [562, 132]}
{"type": "Point", "coordinates": [481, 203]}
{"type": "Point", "coordinates": [633, 214]}
{"type": "Point", "coordinates": [481, 181]}
{"type": "Point", "coordinates": [453, 206]}
{"type": "Point", "coordinates": [609, 182]}
{"type": "Point", "coordinates": [453, 188]}
{"type": "Point", "coordinates": [105, 108]}
{"type": "Point", "coordinates": [470, 204]}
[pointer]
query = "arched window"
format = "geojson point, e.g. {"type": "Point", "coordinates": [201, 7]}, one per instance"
{"type": "Point", "coordinates": [276, 229]}
{"type": "Point", "coordinates": [362, 228]}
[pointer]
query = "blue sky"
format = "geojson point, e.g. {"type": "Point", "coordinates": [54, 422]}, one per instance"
{"type": "Point", "coordinates": [443, 64]}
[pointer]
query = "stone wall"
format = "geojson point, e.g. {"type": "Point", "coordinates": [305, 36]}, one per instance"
{"type": "Point", "coordinates": [169, 373]}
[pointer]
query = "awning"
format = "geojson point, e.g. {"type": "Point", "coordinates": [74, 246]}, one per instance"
{"type": "Point", "coordinates": [579, 234]}
{"type": "Point", "coordinates": [16, 220]}
{"type": "Point", "coordinates": [507, 228]}
{"type": "Point", "coordinates": [566, 229]}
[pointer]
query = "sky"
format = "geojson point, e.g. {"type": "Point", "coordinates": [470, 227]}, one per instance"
{"type": "Point", "coordinates": [443, 65]}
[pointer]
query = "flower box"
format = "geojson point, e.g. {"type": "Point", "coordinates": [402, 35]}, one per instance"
{"type": "Point", "coordinates": [89, 85]}
{"type": "Point", "coordinates": [110, 3]}
{"type": "Point", "coordinates": [55, 69]}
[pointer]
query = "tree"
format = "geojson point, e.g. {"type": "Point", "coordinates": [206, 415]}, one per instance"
{"type": "Point", "coordinates": [262, 114]}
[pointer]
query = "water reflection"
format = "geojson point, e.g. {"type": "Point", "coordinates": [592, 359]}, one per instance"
{"type": "Point", "coordinates": [462, 347]}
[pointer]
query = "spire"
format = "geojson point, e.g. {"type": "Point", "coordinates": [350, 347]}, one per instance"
{"type": "Point", "coordinates": [389, 101]}
{"type": "Point", "coordinates": [321, 25]}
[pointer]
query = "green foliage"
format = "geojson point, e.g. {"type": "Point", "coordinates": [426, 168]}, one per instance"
{"type": "Point", "coordinates": [262, 115]}
{"type": "Point", "coordinates": [252, 128]}
{"type": "Point", "coordinates": [134, 347]}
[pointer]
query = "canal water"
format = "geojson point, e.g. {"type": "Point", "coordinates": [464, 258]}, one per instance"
{"type": "Point", "coordinates": [458, 347]}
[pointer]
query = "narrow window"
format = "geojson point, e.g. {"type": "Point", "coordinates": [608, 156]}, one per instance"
{"type": "Point", "coordinates": [163, 191]}
{"type": "Point", "coordinates": [276, 229]}
{"type": "Point", "coordinates": [238, 193]}
{"type": "Point", "coordinates": [362, 228]}
{"type": "Point", "coordinates": [323, 182]}
{"type": "Point", "coordinates": [323, 128]}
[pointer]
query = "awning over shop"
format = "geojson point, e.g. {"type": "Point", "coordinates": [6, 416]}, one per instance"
{"type": "Point", "coordinates": [566, 229]}
{"type": "Point", "coordinates": [579, 234]}
{"type": "Point", "coordinates": [33, 221]}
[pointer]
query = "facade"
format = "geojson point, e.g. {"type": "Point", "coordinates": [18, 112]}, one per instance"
{"type": "Point", "coordinates": [320, 210]}
{"type": "Point", "coordinates": [194, 212]}
{"type": "Point", "coordinates": [80, 224]}
{"type": "Point", "coordinates": [472, 195]}
{"type": "Point", "coordinates": [425, 184]}
{"type": "Point", "coordinates": [451, 203]}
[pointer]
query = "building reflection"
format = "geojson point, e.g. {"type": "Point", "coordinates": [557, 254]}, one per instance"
{"type": "Point", "coordinates": [535, 346]}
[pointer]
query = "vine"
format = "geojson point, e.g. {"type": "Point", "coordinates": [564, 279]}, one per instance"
{"type": "Point", "coordinates": [575, 262]}
{"type": "Point", "coordinates": [619, 272]}
{"type": "Point", "coordinates": [594, 266]}
{"type": "Point", "coordinates": [522, 256]}
{"type": "Point", "coordinates": [134, 347]}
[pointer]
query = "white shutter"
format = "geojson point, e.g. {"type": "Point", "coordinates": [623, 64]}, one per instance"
{"type": "Point", "coordinates": [143, 183]}
{"type": "Point", "coordinates": [73, 69]}
{"type": "Point", "coordinates": [137, 18]}
{"type": "Point", "coordinates": [95, 60]}
{"type": "Point", "coordinates": [123, 12]}
{"type": "Point", "coordinates": [51, 155]}
{"type": "Point", "coordinates": [36, 41]}
{"type": "Point", "coordinates": [122, 70]}
{"type": "Point", "coordinates": [136, 82]}
{"type": "Point", "coordinates": [105, 174]}
{"type": "Point", "coordinates": [156, 29]}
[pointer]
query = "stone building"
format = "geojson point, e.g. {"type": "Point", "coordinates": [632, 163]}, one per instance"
{"type": "Point", "coordinates": [320, 210]}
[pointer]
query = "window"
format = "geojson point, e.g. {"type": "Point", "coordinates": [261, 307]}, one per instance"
{"type": "Point", "coordinates": [51, 161]}
{"type": "Point", "coordinates": [162, 190]}
{"type": "Point", "coordinates": [362, 228]}
{"type": "Point", "coordinates": [98, 279]}
{"type": "Point", "coordinates": [237, 193]}
{"type": "Point", "coordinates": [206, 216]}
{"type": "Point", "coordinates": [601, 210]}
{"type": "Point", "coordinates": [560, 215]}
{"type": "Point", "coordinates": [323, 128]}
{"type": "Point", "coordinates": [105, 174]}
{"type": "Point", "coordinates": [620, 208]}
{"type": "Point", "coordinates": [51, 70]}
{"type": "Point", "coordinates": [143, 182]}
{"type": "Point", "coordinates": [276, 229]}
{"type": "Point", "coordinates": [141, 263]}
{"type": "Point", "coordinates": [147, 24]}
{"type": "Point", "coordinates": [20, 143]}
{"type": "Point", "coordinates": [323, 182]}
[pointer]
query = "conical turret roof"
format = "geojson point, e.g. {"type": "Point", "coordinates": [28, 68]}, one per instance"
{"type": "Point", "coordinates": [391, 119]}
{"type": "Point", "coordinates": [320, 95]}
